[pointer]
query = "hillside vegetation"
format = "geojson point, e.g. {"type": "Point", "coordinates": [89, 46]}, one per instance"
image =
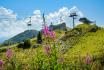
{"type": "Point", "coordinates": [81, 48]}
{"type": "Point", "coordinates": [89, 43]}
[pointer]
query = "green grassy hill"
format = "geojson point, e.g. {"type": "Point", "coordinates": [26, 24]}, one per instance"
{"type": "Point", "coordinates": [86, 41]}
{"type": "Point", "coordinates": [73, 47]}
{"type": "Point", "coordinates": [89, 42]}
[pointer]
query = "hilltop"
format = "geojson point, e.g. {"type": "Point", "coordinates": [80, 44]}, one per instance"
{"type": "Point", "coordinates": [29, 34]}
{"type": "Point", "coordinates": [21, 37]}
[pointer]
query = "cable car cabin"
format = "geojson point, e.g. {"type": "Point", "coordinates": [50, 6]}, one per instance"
{"type": "Point", "coordinates": [28, 24]}
{"type": "Point", "coordinates": [72, 14]}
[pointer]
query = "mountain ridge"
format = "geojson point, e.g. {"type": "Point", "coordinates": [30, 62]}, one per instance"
{"type": "Point", "coordinates": [31, 34]}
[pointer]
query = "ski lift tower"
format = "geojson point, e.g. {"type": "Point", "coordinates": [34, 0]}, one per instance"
{"type": "Point", "coordinates": [51, 26]}
{"type": "Point", "coordinates": [61, 21]}
{"type": "Point", "coordinates": [73, 15]}
{"type": "Point", "coordinates": [29, 24]}
{"type": "Point", "coordinates": [44, 22]}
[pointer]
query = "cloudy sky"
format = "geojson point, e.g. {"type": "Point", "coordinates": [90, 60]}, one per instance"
{"type": "Point", "coordinates": [14, 14]}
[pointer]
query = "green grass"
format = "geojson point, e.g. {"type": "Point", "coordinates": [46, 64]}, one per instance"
{"type": "Point", "coordinates": [91, 43]}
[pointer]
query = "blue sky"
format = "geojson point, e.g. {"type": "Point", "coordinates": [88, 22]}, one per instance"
{"type": "Point", "coordinates": [91, 8]}
{"type": "Point", "coordinates": [19, 9]}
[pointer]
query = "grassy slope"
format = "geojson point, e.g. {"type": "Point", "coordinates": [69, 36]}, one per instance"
{"type": "Point", "coordinates": [27, 54]}
{"type": "Point", "coordinates": [91, 43]}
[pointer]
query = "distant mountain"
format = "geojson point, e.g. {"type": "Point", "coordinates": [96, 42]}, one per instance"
{"type": "Point", "coordinates": [85, 20]}
{"type": "Point", "coordinates": [21, 37]}
{"type": "Point", "coordinates": [30, 34]}
{"type": "Point", "coordinates": [59, 26]}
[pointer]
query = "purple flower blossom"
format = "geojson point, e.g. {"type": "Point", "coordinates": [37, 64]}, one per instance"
{"type": "Point", "coordinates": [48, 49]}
{"type": "Point", "coordinates": [45, 31]}
{"type": "Point", "coordinates": [1, 62]}
{"type": "Point", "coordinates": [48, 33]}
{"type": "Point", "coordinates": [52, 34]}
{"type": "Point", "coordinates": [88, 59]}
{"type": "Point", "coordinates": [9, 53]}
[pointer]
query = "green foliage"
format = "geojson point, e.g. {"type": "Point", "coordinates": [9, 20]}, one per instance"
{"type": "Point", "coordinates": [93, 28]}
{"type": "Point", "coordinates": [82, 39]}
{"type": "Point", "coordinates": [21, 37]}
{"type": "Point", "coordinates": [39, 38]}
{"type": "Point", "coordinates": [0, 45]}
{"type": "Point", "coordinates": [3, 50]}
{"type": "Point", "coordinates": [92, 43]}
{"type": "Point", "coordinates": [7, 43]}
{"type": "Point", "coordinates": [20, 45]}
{"type": "Point", "coordinates": [26, 44]}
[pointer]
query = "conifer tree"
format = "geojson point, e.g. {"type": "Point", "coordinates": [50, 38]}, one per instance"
{"type": "Point", "coordinates": [39, 38]}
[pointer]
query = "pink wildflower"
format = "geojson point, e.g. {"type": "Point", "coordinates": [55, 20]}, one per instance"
{"type": "Point", "coordinates": [9, 53]}
{"type": "Point", "coordinates": [1, 62]}
{"type": "Point", "coordinates": [45, 31]}
{"type": "Point", "coordinates": [1, 65]}
{"type": "Point", "coordinates": [88, 59]}
{"type": "Point", "coordinates": [52, 34]}
{"type": "Point", "coordinates": [48, 49]}
{"type": "Point", "coordinates": [48, 33]}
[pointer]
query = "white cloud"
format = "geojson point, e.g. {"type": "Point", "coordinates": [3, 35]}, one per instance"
{"type": "Point", "coordinates": [64, 14]}
{"type": "Point", "coordinates": [37, 12]}
{"type": "Point", "coordinates": [9, 25]}
{"type": "Point", "coordinates": [7, 13]}
{"type": "Point", "coordinates": [75, 9]}
{"type": "Point", "coordinates": [13, 26]}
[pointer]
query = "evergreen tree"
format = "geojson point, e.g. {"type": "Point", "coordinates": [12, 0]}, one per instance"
{"type": "Point", "coordinates": [27, 44]}
{"type": "Point", "coordinates": [39, 38]}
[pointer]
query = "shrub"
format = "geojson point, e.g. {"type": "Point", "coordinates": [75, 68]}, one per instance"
{"type": "Point", "coordinates": [93, 28]}
{"type": "Point", "coordinates": [20, 45]}
{"type": "Point", "coordinates": [3, 50]}
{"type": "Point", "coordinates": [27, 44]}
{"type": "Point", "coordinates": [39, 38]}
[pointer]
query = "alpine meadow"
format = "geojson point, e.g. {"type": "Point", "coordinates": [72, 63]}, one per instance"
{"type": "Point", "coordinates": [58, 35]}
